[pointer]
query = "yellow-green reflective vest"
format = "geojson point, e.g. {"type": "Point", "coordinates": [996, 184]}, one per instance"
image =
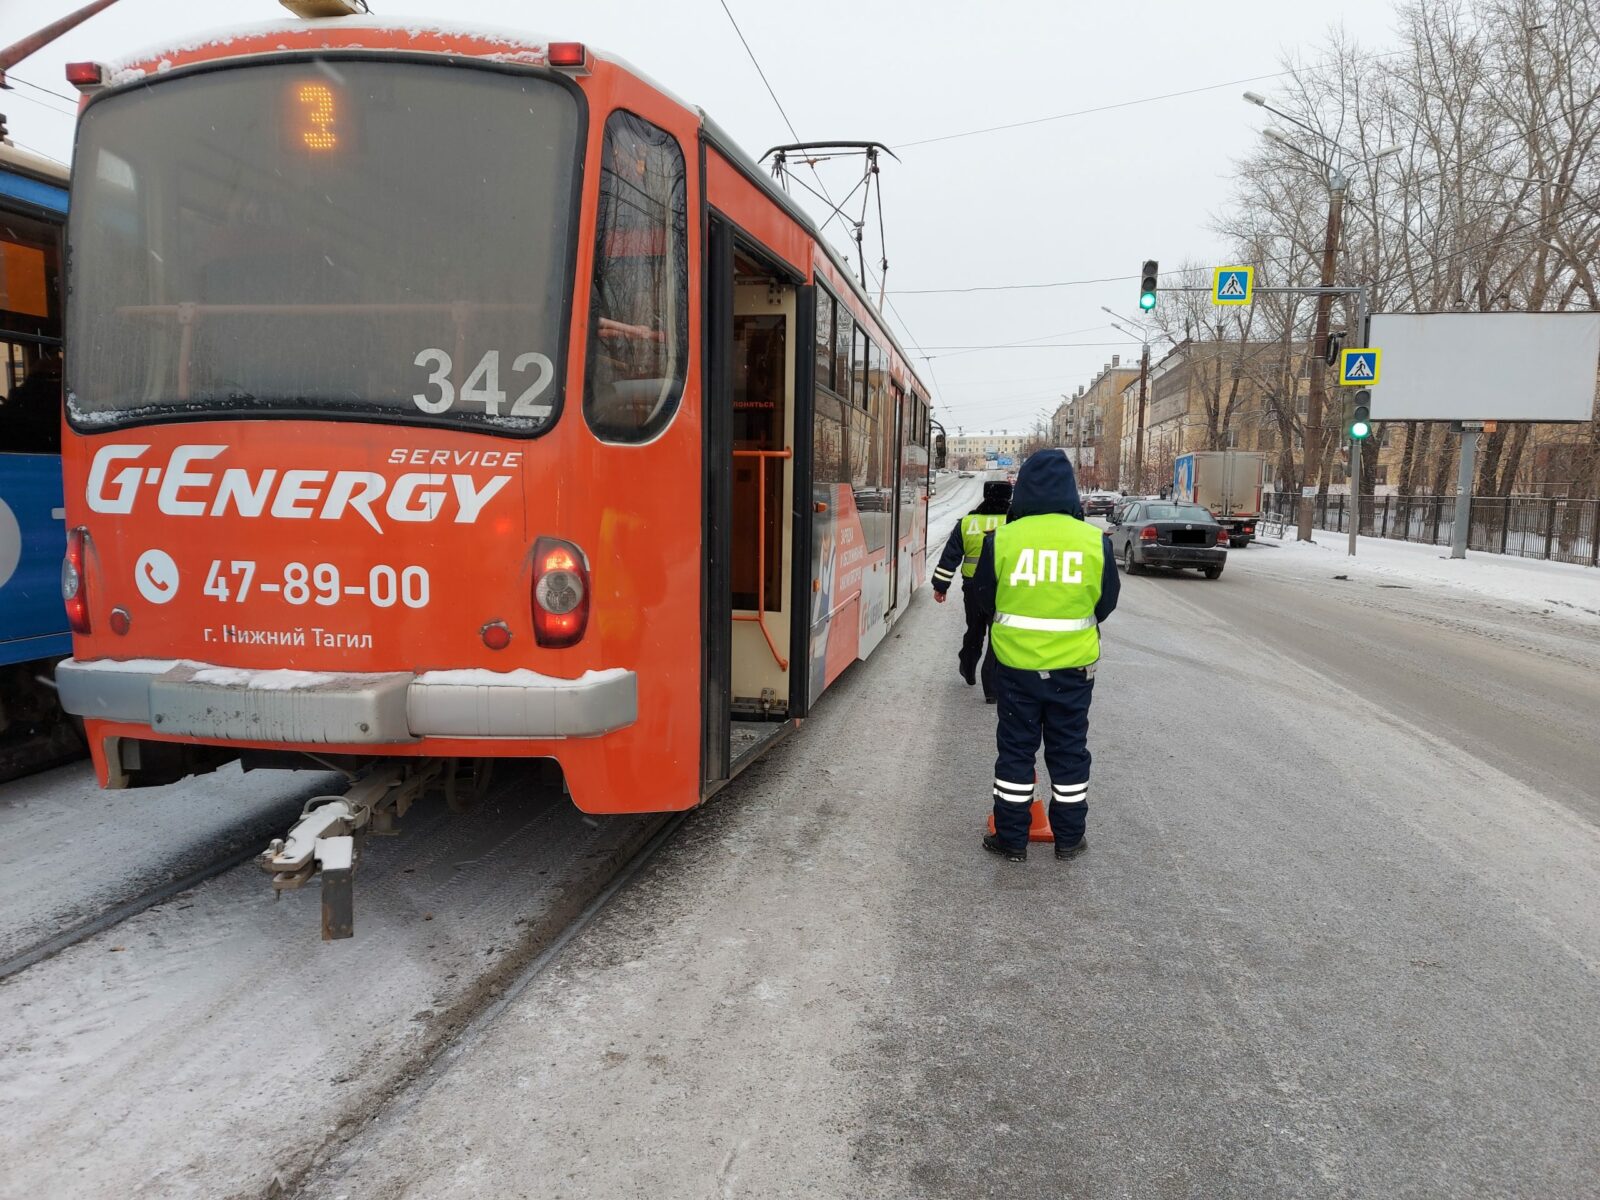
{"type": "Point", "coordinates": [973, 527]}
{"type": "Point", "coordinates": [1047, 582]}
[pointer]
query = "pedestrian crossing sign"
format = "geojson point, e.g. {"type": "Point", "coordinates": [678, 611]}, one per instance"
{"type": "Point", "coordinates": [1359, 368]}
{"type": "Point", "coordinates": [1233, 285]}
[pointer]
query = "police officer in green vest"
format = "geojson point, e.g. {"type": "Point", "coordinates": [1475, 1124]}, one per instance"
{"type": "Point", "coordinates": [961, 552]}
{"type": "Point", "coordinates": [1048, 579]}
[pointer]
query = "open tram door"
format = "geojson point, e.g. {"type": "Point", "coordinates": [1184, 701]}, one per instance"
{"type": "Point", "coordinates": [757, 451]}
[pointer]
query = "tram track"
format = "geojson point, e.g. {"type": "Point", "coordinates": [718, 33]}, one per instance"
{"type": "Point", "coordinates": [118, 913]}
{"type": "Point", "coordinates": [490, 1000]}
{"type": "Point", "coordinates": [259, 1032]}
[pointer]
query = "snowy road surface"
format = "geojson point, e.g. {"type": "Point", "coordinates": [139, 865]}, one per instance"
{"type": "Point", "coordinates": [1324, 944]}
{"type": "Point", "coordinates": [73, 851]}
{"type": "Point", "coordinates": [1335, 937]}
{"type": "Point", "coordinates": [214, 1045]}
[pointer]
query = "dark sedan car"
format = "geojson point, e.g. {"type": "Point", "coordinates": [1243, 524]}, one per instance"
{"type": "Point", "coordinates": [1165, 533]}
{"type": "Point", "coordinates": [1099, 504]}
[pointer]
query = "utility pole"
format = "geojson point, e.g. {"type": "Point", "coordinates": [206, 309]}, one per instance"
{"type": "Point", "coordinates": [1319, 350]}
{"type": "Point", "coordinates": [1077, 435]}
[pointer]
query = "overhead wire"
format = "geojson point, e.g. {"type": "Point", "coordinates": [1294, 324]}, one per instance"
{"type": "Point", "coordinates": [835, 209]}
{"type": "Point", "coordinates": [1099, 108]}
{"type": "Point", "coordinates": [13, 77]}
{"type": "Point", "coordinates": [55, 108]}
{"type": "Point", "coordinates": [39, 152]}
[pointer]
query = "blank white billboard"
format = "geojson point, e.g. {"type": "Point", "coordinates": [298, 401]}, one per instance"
{"type": "Point", "coordinates": [1465, 366]}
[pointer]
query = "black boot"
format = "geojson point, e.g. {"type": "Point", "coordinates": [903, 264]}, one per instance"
{"type": "Point", "coordinates": [970, 674]}
{"type": "Point", "coordinates": [993, 844]}
{"type": "Point", "coordinates": [1064, 852]}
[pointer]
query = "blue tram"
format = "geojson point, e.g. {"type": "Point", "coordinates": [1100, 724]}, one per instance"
{"type": "Point", "coordinates": [33, 623]}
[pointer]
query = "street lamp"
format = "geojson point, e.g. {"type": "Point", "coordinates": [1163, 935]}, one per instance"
{"type": "Point", "coordinates": [1337, 183]}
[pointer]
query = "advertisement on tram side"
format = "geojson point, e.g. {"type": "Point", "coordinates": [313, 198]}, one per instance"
{"type": "Point", "coordinates": [838, 601]}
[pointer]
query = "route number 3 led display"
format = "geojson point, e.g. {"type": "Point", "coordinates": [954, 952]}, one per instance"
{"type": "Point", "coordinates": [312, 116]}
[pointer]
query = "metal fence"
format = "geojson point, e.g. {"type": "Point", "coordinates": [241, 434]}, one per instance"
{"type": "Point", "coordinates": [1550, 527]}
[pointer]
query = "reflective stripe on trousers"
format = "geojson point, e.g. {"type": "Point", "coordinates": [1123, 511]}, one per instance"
{"type": "Point", "coordinates": [1046, 624]}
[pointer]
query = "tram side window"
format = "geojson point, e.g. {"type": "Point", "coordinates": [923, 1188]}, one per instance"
{"type": "Point", "coordinates": [639, 306]}
{"type": "Point", "coordinates": [30, 336]}
{"type": "Point", "coordinates": [844, 325]}
{"type": "Point", "coordinates": [858, 370]}
{"type": "Point", "coordinates": [824, 339]}
{"type": "Point", "coordinates": [30, 398]}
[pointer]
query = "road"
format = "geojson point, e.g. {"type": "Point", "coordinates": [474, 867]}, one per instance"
{"type": "Point", "coordinates": [1331, 940]}
{"type": "Point", "coordinates": [1335, 937]}
{"type": "Point", "coordinates": [1507, 683]}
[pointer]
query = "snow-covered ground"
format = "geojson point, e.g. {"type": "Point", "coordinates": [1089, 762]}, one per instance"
{"type": "Point", "coordinates": [1571, 589]}
{"type": "Point", "coordinates": [73, 851]}
{"type": "Point", "coordinates": [210, 1046]}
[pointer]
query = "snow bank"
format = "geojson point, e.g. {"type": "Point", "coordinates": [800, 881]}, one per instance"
{"type": "Point", "coordinates": [1572, 589]}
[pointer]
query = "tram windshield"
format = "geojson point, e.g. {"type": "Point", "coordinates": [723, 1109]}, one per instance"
{"type": "Point", "coordinates": [328, 237]}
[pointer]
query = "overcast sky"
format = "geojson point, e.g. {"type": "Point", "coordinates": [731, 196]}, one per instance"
{"type": "Point", "coordinates": [1081, 198]}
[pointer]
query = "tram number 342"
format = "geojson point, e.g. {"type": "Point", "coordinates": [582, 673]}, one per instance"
{"type": "Point", "coordinates": [319, 583]}
{"type": "Point", "coordinates": [482, 384]}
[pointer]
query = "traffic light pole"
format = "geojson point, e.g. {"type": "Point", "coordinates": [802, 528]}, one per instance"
{"type": "Point", "coordinates": [1357, 445]}
{"type": "Point", "coordinates": [1138, 429]}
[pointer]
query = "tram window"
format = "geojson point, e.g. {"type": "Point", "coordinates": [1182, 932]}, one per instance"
{"type": "Point", "coordinates": [830, 447]}
{"type": "Point", "coordinates": [858, 387]}
{"type": "Point", "coordinates": [30, 336]}
{"type": "Point", "coordinates": [844, 325]}
{"type": "Point", "coordinates": [824, 338]}
{"type": "Point", "coordinates": [30, 398]}
{"type": "Point", "coordinates": [389, 267]}
{"type": "Point", "coordinates": [639, 306]}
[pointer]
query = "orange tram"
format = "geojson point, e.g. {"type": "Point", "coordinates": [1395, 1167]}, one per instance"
{"type": "Point", "coordinates": [435, 396]}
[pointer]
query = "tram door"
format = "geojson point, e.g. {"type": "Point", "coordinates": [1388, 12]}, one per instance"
{"type": "Point", "coordinates": [762, 470]}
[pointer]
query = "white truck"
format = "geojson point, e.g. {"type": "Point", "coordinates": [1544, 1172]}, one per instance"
{"type": "Point", "coordinates": [1228, 483]}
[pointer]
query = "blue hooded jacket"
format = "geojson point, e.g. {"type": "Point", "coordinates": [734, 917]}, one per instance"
{"type": "Point", "coordinates": [1046, 484]}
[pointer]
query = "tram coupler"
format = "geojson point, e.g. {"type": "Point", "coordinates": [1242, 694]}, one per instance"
{"type": "Point", "coordinates": [323, 840]}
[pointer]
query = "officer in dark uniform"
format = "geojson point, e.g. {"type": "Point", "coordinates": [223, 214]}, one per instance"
{"type": "Point", "coordinates": [1048, 579]}
{"type": "Point", "coordinates": [961, 550]}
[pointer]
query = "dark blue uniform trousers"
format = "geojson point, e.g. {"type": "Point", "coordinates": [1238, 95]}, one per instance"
{"type": "Point", "coordinates": [1054, 706]}
{"type": "Point", "coordinates": [972, 642]}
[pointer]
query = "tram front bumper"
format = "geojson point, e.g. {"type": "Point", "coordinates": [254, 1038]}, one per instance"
{"type": "Point", "coordinates": [194, 699]}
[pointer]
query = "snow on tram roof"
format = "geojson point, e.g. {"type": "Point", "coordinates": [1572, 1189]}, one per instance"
{"type": "Point", "coordinates": [521, 45]}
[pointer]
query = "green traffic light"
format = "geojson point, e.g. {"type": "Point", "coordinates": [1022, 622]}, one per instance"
{"type": "Point", "coordinates": [1359, 431]}
{"type": "Point", "coordinates": [1147, 300]}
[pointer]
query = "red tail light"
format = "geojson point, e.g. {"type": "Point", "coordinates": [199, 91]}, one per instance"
{"type": "Point", "coordinates": [85, 75]}
{"type": "Point", "coordinates": [1249, 528]}
{"type": "Point", "coordinates": [75, 581]}
{"type": "Point", "coordinates": [1148, 534]}
{"type": "Point", "coordinates": [567, 54]}
{"type": "Point", "coordinates": [1223, 536]}
{"type": "Point", "coordinates": [560, 593]}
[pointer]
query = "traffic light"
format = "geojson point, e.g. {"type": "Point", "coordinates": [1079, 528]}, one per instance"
{"type": "Point", "coordinates": [1360, 417]}
{"type": "Point", "coordinates": [1147, 285]}
{"type": "Point", "coordinates": [940, 453]}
